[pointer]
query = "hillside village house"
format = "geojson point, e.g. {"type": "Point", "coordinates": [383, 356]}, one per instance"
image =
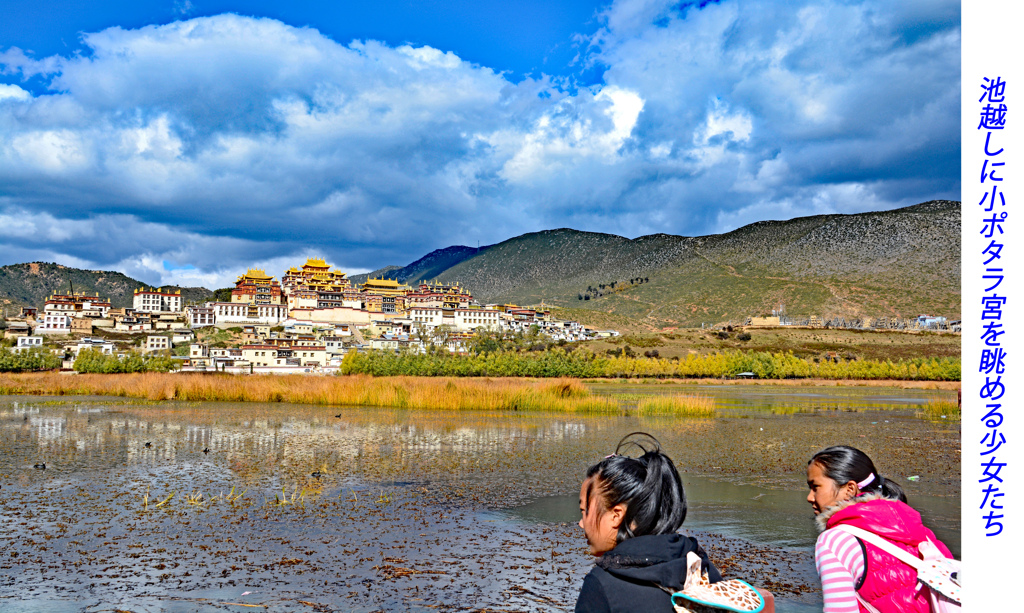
{"type": "Point", "coordinates": [156, 343]}
{"type": "Point", "coordinates": [385, 343]}
{"type": "Point", "coordinates": [270, 355]}
{"type": "Point", "coordinates": [131, 323]}
{"type": "Point", "coordinates": [198, 350]}
{"type": "Point", "coordinates": [313, 355]}
{"type": "Point", "coordinates": [235, 313]}
{"type": "Point", "coordinates": [334, 345]}
{"type": "Point", "coordinates": [299, 327]}
{"type": "Point", "coordinates": [76, 304]}
{"type": "Point", "coordinates": [16, 329]}
{"type": "Point", "coordinates": [388, 327]}
{"type": "Point", "coordinates": [83, 325]}
{"type": "Point", "coordinates": [53, 323]}
{"type": "Point", "coordinates": [168, 321]}
{"type": "Point", "coordinates": [260, 355]}
{"type": "Point", "coordinates": [157, 301]}
{"type": "Point", "coordinates": [200, 316]}
{"type": "Point", "coordinates": [471, 319]}
{"type": "Point", "coordinates": [28, 342]}
{"type": "Point", "coordinates": [98, 344]}
{"type": "Point", "coordinates": [461, 320]}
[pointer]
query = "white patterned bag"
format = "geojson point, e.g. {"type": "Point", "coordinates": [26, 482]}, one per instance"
{"type": "Point", "coordinates": [699, 594]}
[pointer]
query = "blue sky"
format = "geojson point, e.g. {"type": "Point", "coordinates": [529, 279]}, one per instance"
{"type": "Point", "coordinates": [181, 142]}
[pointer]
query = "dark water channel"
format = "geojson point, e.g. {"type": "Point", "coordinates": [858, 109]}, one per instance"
{"type": "Point", "coordinates": [211, 506]}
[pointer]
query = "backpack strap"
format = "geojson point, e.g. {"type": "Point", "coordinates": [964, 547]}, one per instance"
{"type": "Point", "coordinates": [867, 605]}
{"type": "Point", "coordinates": [883, 544]}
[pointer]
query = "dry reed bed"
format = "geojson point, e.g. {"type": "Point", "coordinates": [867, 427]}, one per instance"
{"type": "Point", "coordinates": [435, 393]}
{"type": "Point", "coordinates": [810, 382]}
{"type": "Point", "coordinates": [940, 408]}
{"type": "Point", "coordinates": [677, 404]}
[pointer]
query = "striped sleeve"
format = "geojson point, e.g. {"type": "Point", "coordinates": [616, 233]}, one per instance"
{"type": "Point", "coordinates": [840, 563]}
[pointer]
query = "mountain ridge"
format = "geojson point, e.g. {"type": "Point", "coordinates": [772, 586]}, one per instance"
{"type": "Point", "coordinates": [898, 262]}
{"type": "Point", "coordinates": [31, 283]}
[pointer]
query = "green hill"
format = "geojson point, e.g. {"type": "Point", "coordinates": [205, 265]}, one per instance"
{"type": "Point", "coordinates": [902, 263]}
{"type": "Point", "coordinates": [32, 283]}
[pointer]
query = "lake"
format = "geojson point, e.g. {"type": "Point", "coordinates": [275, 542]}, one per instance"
{"type": "Point", "coordinates": [172, 506]}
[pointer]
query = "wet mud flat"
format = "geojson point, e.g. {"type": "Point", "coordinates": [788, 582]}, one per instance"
{"type": "Point", "coordinates": [406, 511]}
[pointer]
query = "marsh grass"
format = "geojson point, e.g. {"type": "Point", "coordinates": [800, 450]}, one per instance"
{"type": "Point", "coordinates": [939, 408]}
{"type": "Point", "coordinates": [432, 393]}
{"type": "Point", "coordinates": [677, 404]}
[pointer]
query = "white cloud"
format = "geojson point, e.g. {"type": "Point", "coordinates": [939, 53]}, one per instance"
{"type": "Point", "coordinates": [230, 140]}
{"type": "Point", "coordinates": [591, 128]}
{"type": "Point", "coordinates": [13, 92]}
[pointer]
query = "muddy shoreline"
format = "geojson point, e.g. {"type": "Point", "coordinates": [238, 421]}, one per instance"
{"type": "Point", "coordinates": [412, 510]}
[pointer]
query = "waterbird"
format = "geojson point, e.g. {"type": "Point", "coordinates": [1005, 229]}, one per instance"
{"type": "Point", "coordinates": [40, 466]}
{"type": "Point", "coordinates": [148, 444]}
{"type": "Point", "coordinates": [207, 450]}
{"type": "Point", "coordinates": [317, 475]}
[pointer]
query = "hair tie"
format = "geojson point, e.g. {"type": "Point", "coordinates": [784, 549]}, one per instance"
{"type": "Point", "coordinates": [612, 455]}
{"type": "Point", "coordinates": [866, 482]}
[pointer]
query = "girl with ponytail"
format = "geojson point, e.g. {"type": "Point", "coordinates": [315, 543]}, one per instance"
{"type": "Point", "coordinates": [846, 488]}
{"type": "Point", "coordinates": [631, 509]}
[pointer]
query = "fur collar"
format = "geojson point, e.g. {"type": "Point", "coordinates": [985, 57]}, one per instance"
{"type": "Point", "coordinates": [822, 519]}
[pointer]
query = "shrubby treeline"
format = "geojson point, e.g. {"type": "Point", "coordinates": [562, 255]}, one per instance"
{"type": "Point", "coordinates": [560, 363]}
{"type": "Point", "coordinates": [95, 361]}
{"type": "Point", "coordinates": [27, 360]}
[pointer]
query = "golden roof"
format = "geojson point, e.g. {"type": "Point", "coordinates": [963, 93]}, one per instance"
{"type": "Point", "coordinates": [254, 274]}
{"type": "Point", "coordinates": [381, 283]}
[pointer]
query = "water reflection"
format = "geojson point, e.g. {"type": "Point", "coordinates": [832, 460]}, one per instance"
{"type": "Point", "coordinates": [403, 490]}
{"type": "Point", "coordinates": [788, 399]}
{"type": "Point", "coordinates": [772, 517]}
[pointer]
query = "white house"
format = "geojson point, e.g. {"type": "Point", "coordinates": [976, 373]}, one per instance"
{"type": "Point", "coordinates": [99, 344]}
{"type": "Point", "coordinates": [199, 316]}
{"type": "Point", "coordinates": [157, 343]}
{"type": "Point", "coordinates": [260, 355]}
{"type": "Point", "coordinates": [53, 323]}
{"type": "Point", "coordinates": [248, 313]}
{"type": "Point", "coordinates": [157, 301]}
{"type": "Point", "coordinates": [384, 344]}
{"type": "Point", "coordinates": [28, 342]}
{"type": "Point", "coordinates": [334, 344]}
{"type": "Point", "coordinates": [310, 356]}
{"type": "Point", "coordinates": [182, 336]}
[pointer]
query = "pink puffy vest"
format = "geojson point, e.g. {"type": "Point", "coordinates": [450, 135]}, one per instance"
{"type": "Point", "coordinates": [890, 585]}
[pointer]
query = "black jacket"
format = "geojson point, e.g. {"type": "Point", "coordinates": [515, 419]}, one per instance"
{"type": "Point", "coordinates": [624, 579]}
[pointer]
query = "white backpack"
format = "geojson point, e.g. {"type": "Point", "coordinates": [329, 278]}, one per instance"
{"type": "Point", "coordinates": [939, 573]}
